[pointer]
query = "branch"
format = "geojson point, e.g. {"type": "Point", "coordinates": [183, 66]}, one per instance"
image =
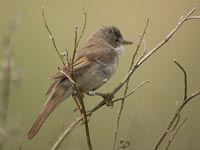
{"type": "Point", "coordinates": [155, 49]}
{"type": "Point", "coordinates": [182, 20]}
{"type": "Point", "coordinates": [74, 53]}
{"type": "Point", "coordinates": [185, 78]}
{"type": "Point", "coordinates": [84, 27]}
{"type": "Point", "coordinates": [170, 124]}
{"type": "Point", "coordinates": [174, 135]}
{"type": "Point", "coordinates": [131, 92]}
{"type": "Point", "coordinates": [89, 113]}
{"type": "Point", "coordinates": [52, 37]}
{"type": "Point", "coordinates": [127, 86]}
{"type": "Point", "coordinates": [176, 116]}
{"type": "Point", "coordinates": [77, 94]}
{"type": "Point", "coordinates": [66, 132]}
{"type": "Point", "coordinates": [193, 17]}
{"type": "Point", "coordinates": [139, 44]}
{"type": "Point", "coordinates": [145, 56]}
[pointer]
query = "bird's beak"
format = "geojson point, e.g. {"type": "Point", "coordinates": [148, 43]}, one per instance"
{"type": "Point", "coordinates": [124, 42]}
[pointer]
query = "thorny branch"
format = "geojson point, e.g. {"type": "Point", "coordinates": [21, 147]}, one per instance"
{"type": "Point", "coordinates": [133, 67]}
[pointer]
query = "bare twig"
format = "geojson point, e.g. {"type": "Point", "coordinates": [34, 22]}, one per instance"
{"type": "Point", "coordinates": [87, 131]}
{"type": "Point", "coordinates": [78, 95]}
{"type": "Point", "coordinates": [72, 77]}
{"type": "Point", "coordinates": [67, 55]}
{"type": "Point", "coordinates": [169, 126]}
{"type": "Point", "coordinates": [66, 132]}
{"type": "Point", "coordinates": [185, 78]}
{"type": "Point", "coordinates": [74, 53]}
{"type": "Point", "coordinates": [155, 49]}
{"type": "Point", "coordinates": [168, 37]}
{"type": "Point", "coordinates": [52, 37]}
{"type": "Point", "coordinates": [130, 73]}
{"type": "Point", "coordinates": [175, 124]}
{"type": "Point", "coordinates": [145, 46]}
{"type": "Point", "coordinates": [193, 17]}
{"type": "Point", "coordinates": [78, 119]}
{"type": "Point", "coordinates": [176, 116]}
{"type": "Point", "coordinates": [127, 85]}
{"type": "Point", "coordinates": [131, 92]}
{"type": "Point", "coordinates": [175, 133]}
{"type": "Point", "coordinates": [76, 92]}
{"type": "Point", "coordinates": [68, 77]}
{"type": "Point", "coordinates": [139, 44]}
{"type": "Point", "coordinates": [84, 27]}
{"type": "Point", "coordinates": [80, 98]}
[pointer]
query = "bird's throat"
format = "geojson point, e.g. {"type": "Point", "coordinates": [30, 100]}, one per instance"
{"type": "Point", "coordinates": [120, 49]}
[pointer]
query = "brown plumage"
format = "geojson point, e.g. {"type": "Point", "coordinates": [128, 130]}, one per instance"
{"type": "Point", "coordinates": [61, 89]}
{"type": "Point", "coordinates": [93, 63]}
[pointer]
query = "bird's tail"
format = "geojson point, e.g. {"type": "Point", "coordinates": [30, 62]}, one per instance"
{"type": "Point", "coordinates": [60, 92]}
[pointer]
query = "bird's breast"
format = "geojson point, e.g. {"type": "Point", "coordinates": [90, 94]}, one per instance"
{"type": "Point", "coordinates": [98, 74]}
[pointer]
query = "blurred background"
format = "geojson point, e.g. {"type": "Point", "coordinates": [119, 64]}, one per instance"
{"type": "Point", "coordinates": [146, 113]}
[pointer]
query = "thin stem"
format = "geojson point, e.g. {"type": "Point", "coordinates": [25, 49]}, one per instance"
{"type": "Point", "coordinates": [185, 78]}
{"type": "Point", "coordinates": [87, 131]}
{"type": "Point", "coordinates": [70, 79]}
{"type": "Point", "coordinates": [127, 86]}
{"type": "Point", "coordinates": [168, 37]}
{"type": "Point", "coordinates": [130, 73]}
{"type": "Point", "coordinates": [74, 53]}
{"type": "Point", "coordinates": [52, 37]}
{"type": "Point", "coordinates": [139, 44]}
{"type": "Point", "coordinates": [66, 132]}
{"type": "Point", "coordinates": [131, 92]}
{"type": "Point", "coordinates": [155, 49]}
{"type": "Point", "coordinates": [84, 27]}
{"type": "Point", "coordinates": [174, 135]}
{"type": "Point", "coordinates": [78, 119]}
{"type": "Point", "coordinates": [169, 126]}
{"type": "Point", "coordinates": [78, 95]}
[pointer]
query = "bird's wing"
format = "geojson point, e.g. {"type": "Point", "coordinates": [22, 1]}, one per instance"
{"type": "Point", "coordinates": [81, 62]}
{"type": "Point", "coordinates": [83, 59]}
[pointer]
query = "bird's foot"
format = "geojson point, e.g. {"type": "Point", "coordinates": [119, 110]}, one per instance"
{"type": "Point", "coordinates": [106, 96]}
{"type": "Point", "coordinates": [108, 99]}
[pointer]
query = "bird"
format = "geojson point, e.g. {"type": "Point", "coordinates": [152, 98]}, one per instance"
{"type": "Point", "coordinates": [94, 64]}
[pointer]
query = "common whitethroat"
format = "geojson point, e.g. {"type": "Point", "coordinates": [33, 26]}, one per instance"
{"type": "Point", "coordinates": [94, 64]}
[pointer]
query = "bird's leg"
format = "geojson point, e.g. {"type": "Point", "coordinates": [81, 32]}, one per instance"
{"type": "Point", "coordinates": [106, 96]}
{"type": "Point", "coordinates": [91, 93]}
{"type": "Point", "coordinates": [76, 97]}
{"type": "Point", "coordinates": [77, 103]}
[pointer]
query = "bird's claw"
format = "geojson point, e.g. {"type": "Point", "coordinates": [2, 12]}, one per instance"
{"type": "Point", "coordinates": [108, 99]}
